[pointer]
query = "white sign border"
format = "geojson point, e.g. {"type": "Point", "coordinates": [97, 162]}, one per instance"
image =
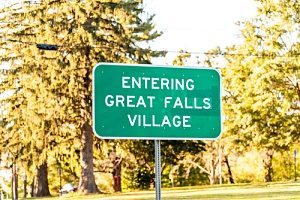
{"type": "Point", "coordinates": [152, 138]}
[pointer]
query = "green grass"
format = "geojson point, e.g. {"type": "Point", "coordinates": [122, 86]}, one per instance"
{"type": "Point", "coordinates": [272, 191]}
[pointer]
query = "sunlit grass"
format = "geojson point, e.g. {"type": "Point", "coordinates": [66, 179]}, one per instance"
{"type": "Point", "coordinates": [270, 191]}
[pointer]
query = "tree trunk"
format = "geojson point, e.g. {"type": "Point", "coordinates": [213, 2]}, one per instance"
{"type": "Point", "coordinates": [267, 161]}
{"type": "Point", "coordinates": [231, 180]}
{"type": "Point", "coordinates": [87, 182]}
{"type": "Point", "coordinates": [42, 181]}
{"type": "Point", "coordinates": [25, 187]}
{"type": "Point", "coordinates": [117, 174]}
{"type": "Point", "coordinates": [32, 192]}
{"type": "Point", "coordinates": [14, 182]}
{"type": "Point", "coordinates": [212, 176]}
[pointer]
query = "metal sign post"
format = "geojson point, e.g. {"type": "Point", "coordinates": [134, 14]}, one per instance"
{"type": "Point", "coordinates": [157, 170]}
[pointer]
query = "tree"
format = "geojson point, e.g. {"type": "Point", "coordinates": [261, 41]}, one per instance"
{"type": "Point", "coordinates": [181, 58]}
{"type": "Point", "coordinates": [172, 154]}
{"type": "Point", "coordinates": [261, 80]}
{"type": "Point", "coordinates": [215, 59]}
{"type": "Point", "coordinates": [55, 86]}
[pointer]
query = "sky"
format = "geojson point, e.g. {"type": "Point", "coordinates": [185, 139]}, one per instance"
{"type": "Point", "coordinates": [194, 25]}
{"type": "Point", "coordinates": [197, 25]}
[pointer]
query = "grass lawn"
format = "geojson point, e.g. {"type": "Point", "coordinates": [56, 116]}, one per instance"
{"type": "Point", "coordinates": [273, 191]}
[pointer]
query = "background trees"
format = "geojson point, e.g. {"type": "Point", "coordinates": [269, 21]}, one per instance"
{"type": "Point", "coordinates": [46, 109]}
{"type": "Point", "coordinates": [261, 81]}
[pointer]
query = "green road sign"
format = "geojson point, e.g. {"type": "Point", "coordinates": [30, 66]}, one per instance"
{"type": "Point", "coordinates": [156, 102]}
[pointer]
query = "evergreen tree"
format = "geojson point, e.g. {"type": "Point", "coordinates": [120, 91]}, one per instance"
{"type": "Point", "coordinates": [50, 100]}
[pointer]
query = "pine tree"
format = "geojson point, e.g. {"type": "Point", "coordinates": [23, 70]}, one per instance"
{"type": "Point", "coordinates": [50, 86]}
